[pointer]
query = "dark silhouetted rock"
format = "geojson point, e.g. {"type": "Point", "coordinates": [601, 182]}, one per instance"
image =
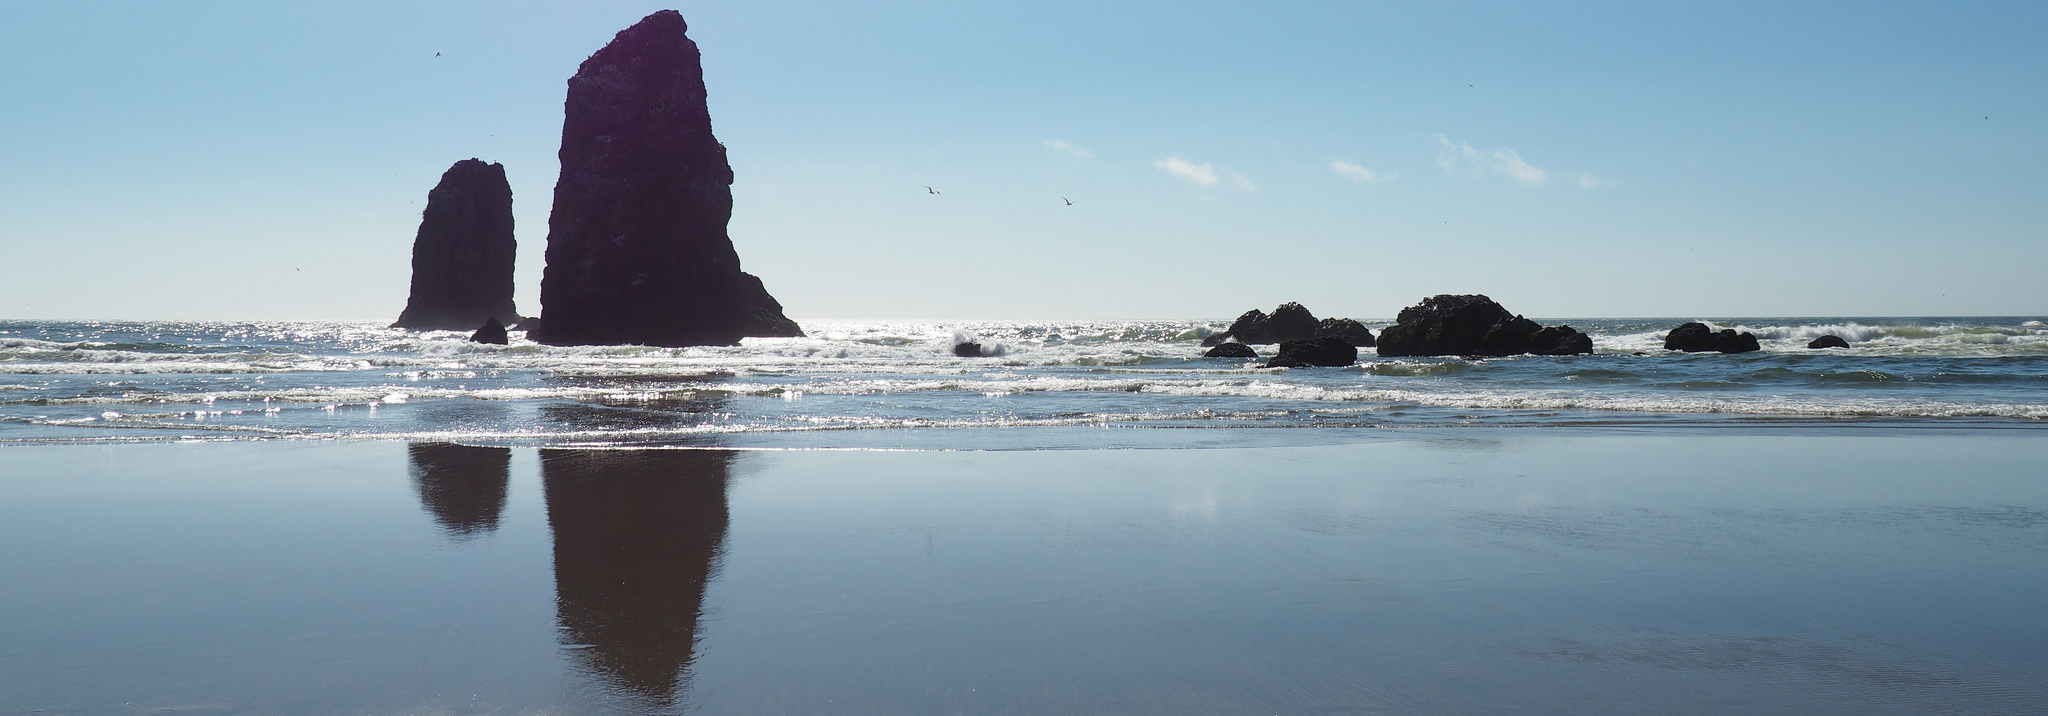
{"type": "Point", "coordinates": [1288, 322]}
{"type": "Point", "coordinates": [462, 256]}
{"type": "Point", "coordinates": [967, 349]}
{"type": "Point", "coordinates": [1473, 325]}
{"type": "Point", "coordinates": [1327, 351]}
{"type": "Point", "coordinates": [1354, 332]}
{"type": "Point", "coordinates": [1252, 322]}
{"type": "Point", "coordinates": [1215, 339]}
{"type": "Point", "coordinates": [1828, 341]}
{"type": "Point", "coordinates": [492, 332]}
{"type": "Point", "coordinates": [637, 244]}
{"type": "Point", "coordinates": [1231, 350]}
{"type": "Point", "coordinates": [1560, 341]}
{"type": "Point", "coordinates": [1696, 337]}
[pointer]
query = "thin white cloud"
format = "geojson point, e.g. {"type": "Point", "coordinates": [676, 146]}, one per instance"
{"type": "Point", "coordinates": [1588, 181]}
{"type": "Point", "coordinates": [1461, 157]}
{"type": "Point", "coordinates": [1356, 172]}
{"type": "Point", "coordinates": [1203, 174]}
{"type": "Point", "coordinates": [1061, 145]}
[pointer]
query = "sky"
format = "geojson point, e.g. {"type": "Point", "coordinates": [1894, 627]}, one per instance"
{"type": "Point", "coordinates": [263, 161]}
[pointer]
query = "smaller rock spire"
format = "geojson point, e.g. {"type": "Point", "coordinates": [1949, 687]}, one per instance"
{"type": "Point", "coordinates": [462, 257]}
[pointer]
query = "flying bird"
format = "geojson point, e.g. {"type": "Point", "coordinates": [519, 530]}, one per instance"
{"type": "Point", "coordinates": [1070, 202]}
{"type": "Point", "coordinates": [929, 189]}
{"type": "Point", "coordinates": [437, 54]}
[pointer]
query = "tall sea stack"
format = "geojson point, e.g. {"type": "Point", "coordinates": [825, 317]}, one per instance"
{"type": "Point", "coordinates": [637, 249]}
{"type": "Point", "coordinates": [462, 257]}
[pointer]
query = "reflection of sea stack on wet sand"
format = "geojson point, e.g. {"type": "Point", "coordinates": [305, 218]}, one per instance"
{"type": "Point", "coordinates": [637, 245]}
{"type": "Point", "coordinates": [636, 535]}
{"type": "Point", "coordinates": [463, 487]}
{"type": "Point", "coordinates": [462, 257]}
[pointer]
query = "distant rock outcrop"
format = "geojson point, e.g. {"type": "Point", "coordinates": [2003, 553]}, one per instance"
{"type": "Point", "coordinates": [1473, 325]}
{"type": "Point", "coordinates": [1560, 341]}
{"type": "Point", "coordinates": [462, 256]}
{"type": "Point", "coordinates": [1325, 351]}
{"type": "Point", "coordinates": [1231, 350]}
{"type": "Point", "coordinates": [968, 349]}
{"type": "Point", "coordinates": [1695, 337]}
{"type": "Point", "coordinates": [637, 245]}
{"type": "Point", "coordinates": [1354, 332]}
{"type": "Point", "coordinates": [1828, 341]}
{"type": "Point", "coordinates": [493, 333]}
{"type": "Point", "coordinates": [1289, 322]}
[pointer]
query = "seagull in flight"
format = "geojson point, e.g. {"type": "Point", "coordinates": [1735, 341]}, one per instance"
{"type": "Point", "coordinates": [437, 54]}
{"type": "Point", "coordinates": [929, 189]}
{"type": "Point", "coordinates": [1070, 202]}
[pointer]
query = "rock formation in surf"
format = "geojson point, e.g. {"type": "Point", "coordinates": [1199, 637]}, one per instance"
{"type": "Point", "coordinates": [492, 332]}
{"type": "Point", "coordinates": [1289, 322]}
{"type": "Point", "coordinates": [462, 257]}
{"type": "Point", "coordinates": [1351, 331]}
{"type": "Point", "coordinates": [1231, 349]}
{"type": "Point", "coordinates": [1326, 351]}
{"type": "Point", "coordinates": [637, 245]}
{"type": "Point", "coordinates": [1473, 325]}
{"type": "Point", "coordinates": [1696, 337]}
{"type": "Point", "coordinates": [1828, 341]}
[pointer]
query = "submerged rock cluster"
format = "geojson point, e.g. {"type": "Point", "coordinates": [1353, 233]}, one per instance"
{"type": "Point", "coordinates": [1697, 338]}
{"type": "Point", "coordinates": [1288, 322]}
{"type": "Point", "coordinates": [1474, 325]}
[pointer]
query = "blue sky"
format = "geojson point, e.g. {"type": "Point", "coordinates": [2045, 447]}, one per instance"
{"type": "Point", "coordinates": [255, 161]}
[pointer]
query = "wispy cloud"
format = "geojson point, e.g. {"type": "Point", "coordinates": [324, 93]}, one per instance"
{"type": "Point", "coordinates": [1461, 157]}
{"type": "Point", "coordinates": [1061, 145]}
{"type": "Point", "coordinates": [1356, 172]}
{"type": "Point", "coordinates": [1588, 181]}
{"type": "Point", "coordinates": [1204, 174]}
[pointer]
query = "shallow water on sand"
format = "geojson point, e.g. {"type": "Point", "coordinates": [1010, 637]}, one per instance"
{"type": "Point", "coordinates": [1452, 571]}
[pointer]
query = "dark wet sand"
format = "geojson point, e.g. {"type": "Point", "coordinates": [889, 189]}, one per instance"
{"type": "Point", "coordinates": [1442, 572]}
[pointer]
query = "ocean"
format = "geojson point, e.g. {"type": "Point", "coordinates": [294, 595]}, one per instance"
{"type": "Point", "coordinates": [1048, 384]}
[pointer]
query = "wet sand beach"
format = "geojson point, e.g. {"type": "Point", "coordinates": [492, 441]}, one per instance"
{"type": "Point", "coordinates": [1447, 571]}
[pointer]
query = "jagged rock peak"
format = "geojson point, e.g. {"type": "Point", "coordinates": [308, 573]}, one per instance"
{"type": "Point", "coordinates": [462, 257]}
{"type": "Point", "coordinates": [637, 244]}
